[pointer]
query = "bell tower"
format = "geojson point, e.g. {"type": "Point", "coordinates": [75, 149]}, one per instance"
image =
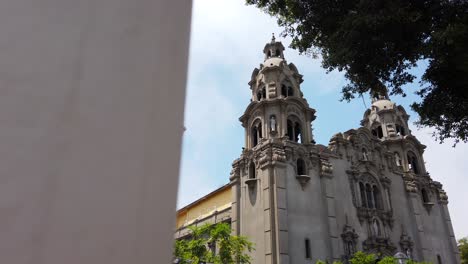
{"type": "Point", "coordinates": [277, 108]}
{"type": "Point", "coordinates": [272, 179]}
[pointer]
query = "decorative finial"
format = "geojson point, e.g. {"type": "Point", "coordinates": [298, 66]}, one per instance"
{"type": "Point", "coordinates": [273, 37]}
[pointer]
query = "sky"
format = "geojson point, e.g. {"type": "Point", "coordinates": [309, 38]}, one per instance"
{"type": "Point", "coordinates": [227, 39]}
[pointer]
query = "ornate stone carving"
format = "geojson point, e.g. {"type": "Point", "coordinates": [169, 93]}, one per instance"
{"type": "Point", "coordinates": [379, 246]}
{"type": "Point", "coordinates": [303, 180]}
{"type": "Point", "coordinates": [406, 244]}
{"type": "Point", "coordinates": [294, 109]}
{"type": "Point", "coordinates": [279, 155]}
{"type": "Point", "coordinates": [327, 168]}
{"type": "Point", "coordinates": [349, 237]}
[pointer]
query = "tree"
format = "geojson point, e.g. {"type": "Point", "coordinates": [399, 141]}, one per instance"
{"type": "Point", "coordinates": [200, 246]}
{"type": "Point", "coordinates": [463, 247]}
{"type": "Point", "coordinates": [377, 42]}
{"type": "Point", "coordinates": [365, 258]}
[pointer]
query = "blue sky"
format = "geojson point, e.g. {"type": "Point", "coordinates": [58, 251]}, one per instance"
{"type": "Point", "coordinates": [227, 40]}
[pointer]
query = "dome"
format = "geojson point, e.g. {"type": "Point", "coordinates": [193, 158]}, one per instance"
{"type": "Point", "coordinates": [383, 104]}
{"type": "Point", "coordinates": [272, 62]}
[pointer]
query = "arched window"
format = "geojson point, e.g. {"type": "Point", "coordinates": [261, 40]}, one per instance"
{"type": "Point", "coordinates": [370, 202]}
{"type": "Point", "coordinates": [379, 132]}
{"type": "Point", "coordinates": [256, 133]}
{"type": "Point", "coordinates": [362, 190]}
{"type": "Point", "coordinates": [290, 91]}
{"type": "Point", "coordinates": [424, 195]}
{"type": "Point", "coordinates": [284, 91]}
{"type": "Point", "coordinates": [377, 197]}
{"type": "Point", "coordinates": [400, 130]}
{"type": "Point", "coordinates": [397, 159]}
{"type": "Point", "coordinates": [413, 162]}
{"type": "Point", "coordinates": [365, 155]}
{"type": "Point", "coordinates": [300, 167]}
{"type": "Point", "coordinates": [294, 131]}
{"type": "Point", "coordinates": [439, 259]}
{"type": "Point", "coordinates": [297, 133]}
{"type": "Point", "coordinates": [269, 54]}
{"type": "Point", "coordinates": [261, 94]}
{"type": "Point", "coordinates": [307, 248]}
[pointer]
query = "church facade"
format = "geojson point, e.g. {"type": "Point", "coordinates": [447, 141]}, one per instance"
{"type": "Point", "coordinates": [300, 202]}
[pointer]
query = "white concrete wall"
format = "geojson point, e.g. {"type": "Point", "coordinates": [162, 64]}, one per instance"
{"type": "Point", "coordinates": [91, 119]}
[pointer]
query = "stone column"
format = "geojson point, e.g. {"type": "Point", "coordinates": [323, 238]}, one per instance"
{"type": "Point", "coordinates": [421, 245]}
{"type": "Point", "coordinates": [451, 236]}
{"type": "Point", "coordinates": [330, 204]}
{"type": "Point", "coordinates": [91, 120]}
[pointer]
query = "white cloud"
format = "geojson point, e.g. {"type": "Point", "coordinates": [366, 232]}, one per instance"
{"type": "Point", "coordinates": [448, 166]}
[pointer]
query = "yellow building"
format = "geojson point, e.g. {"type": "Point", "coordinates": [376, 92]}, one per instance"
{"type": "Point", "coordinates": [214, 207]}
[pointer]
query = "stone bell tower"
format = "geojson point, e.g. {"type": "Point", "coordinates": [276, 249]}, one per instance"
{"type": "Point", "coordinates": [271, 180]}
{"type": "Point", "coordinates": [426, 199]}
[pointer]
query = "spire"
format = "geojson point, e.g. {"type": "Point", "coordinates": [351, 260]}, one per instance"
{"type": "Point", "coordinates": [273, 39]}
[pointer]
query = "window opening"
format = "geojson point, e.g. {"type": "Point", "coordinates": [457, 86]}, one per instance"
{"type": "Point", "coordinates": [252, 171]}
{"type": "Point", "coordinates": [363, 194]}
{"type": "Point", "coordinates": [400, 130]}
{"type": "Point", "coordinates": [284, 91]}
{"type": "Point", "coordinates": [379, 132]}
{"type": "Point", "coordinates": [307, 248]}
{"type": "Point", "coordinates": [439, 259]}
{"type": "Point", "coordinates": [300, 167]}
{"type": "Point", "coordinates": [425, 197]}
{"type": "Point", "coordinates": [290, 91]}
{"type": "Point", "coordinates": [256, 133]}
{"type": "Point", "coordinates": [377, 199]}
{"type": "Point", "coordinates": [369, 196]}
{"type": "Point", "coordinates": [413, 163]}
{"type": "Point", "coordinates": [297, 133]}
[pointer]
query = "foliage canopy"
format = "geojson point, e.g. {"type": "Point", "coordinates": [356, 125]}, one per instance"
{"type": "Point", "coordinates": [377, 42]}
{"type": "Point", "coordinates": [200, 247]}
{"type": "Point", "coordinates": [463, 247]}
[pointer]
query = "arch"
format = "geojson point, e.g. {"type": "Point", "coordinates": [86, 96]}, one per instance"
{"type": "Point", "coordinates": [413, 162]}
{"type": "Point", "coordinates": [264, 93]}
{"type": "Point", "coordinates": [377, 131]}
{"type": "Point", "coordinates": [362, 191]}
{"type": "Point", "coordinates": [294, 129]}
{"type": "Point", "coordinates": [278, 53]}
{"type": "Point", "coordinates": [269, 53]}
{"type": "Point", "coordinates": [425, 196]}
{"type": "Point", "coordinates": [284, 91]}
{"type": "Point", "coordinates": [290, 91]}
{"type": "Point", "coordinates": [300, 166]}
{"type": "Point", "coordinates": [252, 174]}
{"type": "Point", "coordinates": [370, 200]}
{"type": "Point", "coordinates": [377, 197]}
{"type": "Point", "coordinates": [439, 259]}
{"type": "Point", "coordinates": [297, 132]}
{"type": "Point", "coordinates": [256, 132]}
{"type": "Point", "coordinates": [400, 130]}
